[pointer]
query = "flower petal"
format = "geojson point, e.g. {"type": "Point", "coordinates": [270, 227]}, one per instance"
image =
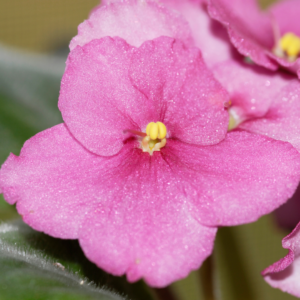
{"type": "Point", "coordinates": [285, 273]}
{"type": "Point", "coordinates": [249, 30]}
{"type": "Point", "coordinates": [252, 88]}
{"type": "Point", "coordinates": [240, 179]}
{"type": "Point", "coordinates": [282, 121]}
{"type": "Point", "coordinates": [133, 20]}
{"type": "Point", "coordinates": [51, 181]}
{"type": "Point", "coordinates": [131, 202]}
{"type": "Point", "coordinates": [187, 96]}
{"type": "Point", "coordinates": [156, 240]}
{"type": "Point", "coordinates": [144, 209]}
{"type": "Point", "coordinates": [209, 35]}
{"type": "Point", "coordinates": [286, 13]}
{"type": "Point", "coordinates": [97, 99]}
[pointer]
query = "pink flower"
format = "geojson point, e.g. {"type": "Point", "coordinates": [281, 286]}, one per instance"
{"type": "Point", "coordinates": [137, 21]}
{"type": "Point", "coordinates": [262, 102]}
{"type": "Point", "coordinates": [267, 103]}
{"type": "Point", "coordinates": [271, 39]}
{"type": "Point", "coordinates": [134, 213]}
{"type": "Point", "coordinates": [285, 273]}
{"type": "Point", "coordinates": [96, 178]}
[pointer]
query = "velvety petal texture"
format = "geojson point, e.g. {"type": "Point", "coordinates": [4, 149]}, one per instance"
{"type": "Point", "coordinates": [146, 216]}
{"type": "Point", "coordinates": [137, 21]}
{"type": "Point", "coordinates": [252, 89]}
{"type": "Point", "coordinates": [144, 226]}
{"type": "Point", "coordinates": [133, 20]}
{"type": "Point", "coordinates": [282, 121]}
{"type": "Point", "coordinates": [50, 184]}
{"type": "Point", "coordinates": [178, 85]}
{"type": "Point", "coordinates": [208, 35]}
{"type": "Point", "coordinates": [243, 181]}
{"type": "Point", "coordinates": [286, 13]}
{"type": "Point", "coordinates": [132, 213]}
{"type": "Point", "coordinates": [262, 101]}
{"type": "Point", "coordinates": [285, 273]}
{"type": "Point", "coordinates": [249, 29]}
{"type": "Point", "coordinates": [110, 86]}
{"type": "Point", "coordinates": [123, 207]}
{"type": "Point", "coordinates": [163, 245]}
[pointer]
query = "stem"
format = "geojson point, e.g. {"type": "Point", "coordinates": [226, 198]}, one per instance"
{"type": "Point", "coordinates": [164, 294]}
{"type": "Point", "coordinates": [206, 279]}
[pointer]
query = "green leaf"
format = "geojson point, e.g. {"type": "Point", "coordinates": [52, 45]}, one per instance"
{"type": "Point", "coordinates": [40, 258]}
{"type": "Point", "coordinates": [29, 273]}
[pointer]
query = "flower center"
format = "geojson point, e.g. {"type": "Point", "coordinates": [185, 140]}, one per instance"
{"type": "Point", "coordinates": [288, 47]}
{"type": "Point", "coordinates": [155, 137]}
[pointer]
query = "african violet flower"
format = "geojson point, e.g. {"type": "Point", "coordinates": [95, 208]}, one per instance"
{"type": "Point", "coordinates": [143, 170]}
{"type": "Point", "coordinates": [285, 273]}
{"type": "Point", "coordinates": [136, 213]}
{"type": "Point", "coordinates": [271, 39]}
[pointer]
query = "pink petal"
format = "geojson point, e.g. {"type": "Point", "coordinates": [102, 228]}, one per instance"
{"type": "Point", "coordinates": [249, 30]}
{"type": "Point", "coordinates": [285, 273]}
{"type": "Point", "coordinates": [51, 181]}
{"type": "Point", "coordinates": [187, 97]}
{"type": "Point", "coordinates": [209, 36]}
{"type": "Point", "coordinates": [252, 89]}
{"type": "Point", "coordinates": [146, 209]}
{"type": "Point", "coordinates": [133, 20]}
{"type": "Point", "coordinates": [97, 99]}
{"type": "Point", "coordinates": [109, 87]}
{"type": "Point", "coordinates": [282, 121]}
{"type": "Point", "coordinates": [286, 14]}
{"type": "Point", "coordinates": [240, 179]}
{"type": "Point", "coordinates": [155, 239]}
{"type": "Point", "coordinates": [58, 184]}
{"type": "Point", "coordinates": [288, 214]}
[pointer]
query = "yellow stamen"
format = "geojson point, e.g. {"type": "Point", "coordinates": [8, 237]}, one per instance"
{"type": "Point", "coordinates": [288, 46]}
{"type": "Point", "coordinates": [290, 43]}
{"type": "Point", "coordinates": [156, 130]}
{"type": "Point", "coordinates": [156, 137]}
{"type": "Point", "coordinates": [148, 128]}
{"type": "Point", "coordinates": [162, 130]}
{"type": "Point", "coordinates": [153, 132]}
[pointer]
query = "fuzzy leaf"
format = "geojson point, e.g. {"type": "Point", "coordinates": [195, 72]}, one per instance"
{"type": "Point", "coordinates": [28, 273]}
